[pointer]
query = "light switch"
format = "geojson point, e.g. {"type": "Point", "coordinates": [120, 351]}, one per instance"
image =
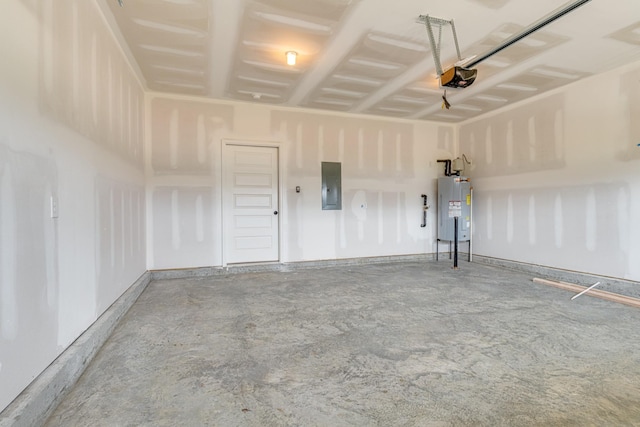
{"type": "Point", "coordinates": [54, 206]}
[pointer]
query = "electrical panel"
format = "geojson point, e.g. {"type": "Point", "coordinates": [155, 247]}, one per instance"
{"type": "Point", "coordinates": [454, 200]}
{"type": "Point", "coordinates": [331, 186]}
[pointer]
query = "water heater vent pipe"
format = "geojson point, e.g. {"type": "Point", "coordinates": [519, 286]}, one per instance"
{"type": "Point", "coordinates": [447, 166]}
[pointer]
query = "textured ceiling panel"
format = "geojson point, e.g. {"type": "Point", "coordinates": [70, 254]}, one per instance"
{"type": "Point", "coordinates": [370, 56]}
{"type": "Point", "coordinates": [170, 41]}
{"type": "Point", "coordinates": [409, 100]}
{"type": "Point", "coordinates": [630, 34]}
{"type": "Point", "coordinates": [493, 4]}
{"type": "Point", "coordinates": [526, 48]}
{"type": "Point", "coordinates": [375, 59]}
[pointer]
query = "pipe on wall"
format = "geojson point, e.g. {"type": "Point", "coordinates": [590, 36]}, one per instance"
{"type": "Point", "coordinates": [447, 166]}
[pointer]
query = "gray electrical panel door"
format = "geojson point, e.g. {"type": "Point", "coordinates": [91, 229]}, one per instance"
{"type": "Point", "coordinates": [331, 186]}
{"type": "Point", "coordinates": [454, 200]}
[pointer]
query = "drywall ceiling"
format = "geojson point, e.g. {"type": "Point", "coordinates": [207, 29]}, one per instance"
{"type": "Point", "coordinates": [369, 56]}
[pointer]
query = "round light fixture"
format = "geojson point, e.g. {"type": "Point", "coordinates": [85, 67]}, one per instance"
{"type": "Point", "coordinates": [291, 57]}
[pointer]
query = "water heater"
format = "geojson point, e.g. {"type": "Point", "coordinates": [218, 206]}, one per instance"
{"type": "Point", "coordinates": [454, 200]}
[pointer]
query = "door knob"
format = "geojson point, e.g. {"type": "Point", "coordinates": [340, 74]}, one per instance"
{"type": "Point", "coordinates": [275, 212]}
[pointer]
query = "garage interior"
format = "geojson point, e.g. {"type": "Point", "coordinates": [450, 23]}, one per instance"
{"type": "Point", "coordinates": [168, 189]}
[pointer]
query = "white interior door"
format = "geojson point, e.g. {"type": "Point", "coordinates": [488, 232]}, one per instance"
{"type": "Point", "coordinates": [250, 204]}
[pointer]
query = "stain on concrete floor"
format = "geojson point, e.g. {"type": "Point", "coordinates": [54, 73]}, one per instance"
{"type": "Point", "coordinates": [399, 344]}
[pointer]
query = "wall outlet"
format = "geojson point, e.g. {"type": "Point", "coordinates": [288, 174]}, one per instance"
{"type": "Point", "coordinates": [54, 206]}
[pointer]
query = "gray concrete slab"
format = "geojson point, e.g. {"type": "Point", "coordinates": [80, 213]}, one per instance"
{"type": "Point", "coordinates": [402, 344]}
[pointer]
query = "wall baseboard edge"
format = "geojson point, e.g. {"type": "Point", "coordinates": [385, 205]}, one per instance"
{"type": "Point", "coordinates": [612, 284]}
{"type": "Point", "coordinates": [35, 404]}
{"type": "Point", "coordinates": [186, 273]}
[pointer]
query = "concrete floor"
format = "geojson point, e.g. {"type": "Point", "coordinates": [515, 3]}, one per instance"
{"type": "Point", "coordinates": [402, 344]}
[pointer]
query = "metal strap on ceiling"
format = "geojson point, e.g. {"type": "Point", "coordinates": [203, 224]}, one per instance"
{"type": "Point", "coordinates": [563, 10]}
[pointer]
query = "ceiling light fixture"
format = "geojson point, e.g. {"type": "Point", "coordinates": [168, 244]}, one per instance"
{"type": "Point", "coordinates": [291, 57]}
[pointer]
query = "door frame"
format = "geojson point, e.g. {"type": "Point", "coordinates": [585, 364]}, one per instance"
{"type": "Point", "coordinates": [226, 142]}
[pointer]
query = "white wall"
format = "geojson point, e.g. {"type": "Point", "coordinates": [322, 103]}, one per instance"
{"type": "Point", "coordinates": [71, 128]}
{"type": "Point", "coordinates": [557, 180]}
{"type": "Point", "coordinates": [386, 166]}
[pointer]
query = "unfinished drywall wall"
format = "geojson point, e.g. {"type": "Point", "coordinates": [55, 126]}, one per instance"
{"type": "Point", "coordinates": [71, 181]}
{"type": "Point", "coordinates": [386, 166]}
{"type": "Point", "coordinates": [184, 181]}
{"type": "Point", "coordinates": [557, 180]}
